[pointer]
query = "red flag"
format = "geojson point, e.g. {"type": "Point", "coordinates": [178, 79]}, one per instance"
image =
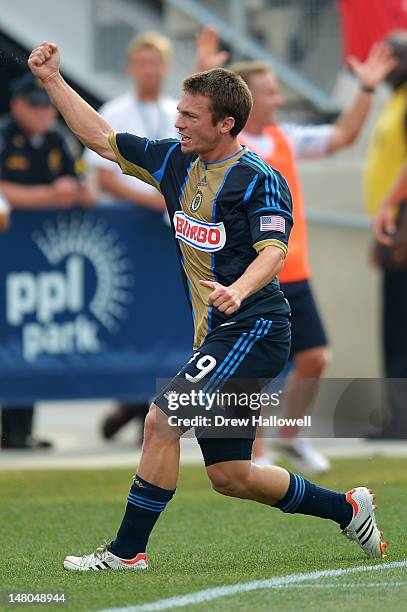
{"type": "Point", "coordinates": [364, 22]}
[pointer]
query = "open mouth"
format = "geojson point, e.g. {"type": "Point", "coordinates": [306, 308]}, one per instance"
{"type": "Point", "coordinates": [184, 139]}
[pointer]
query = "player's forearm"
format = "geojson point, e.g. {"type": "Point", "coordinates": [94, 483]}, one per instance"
{"type": "Point", "coordinates": [350, 123]}
{"type": "Point", "coordinates": [267, 265]}
{"type": "Point", "coordinates": [26, 197]}
{"type": "Point", "coordinates": [110, 183]}
{"type": "Point", "coordinates": [87, 124]}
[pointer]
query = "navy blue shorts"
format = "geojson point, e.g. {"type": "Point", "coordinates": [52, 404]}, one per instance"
{"type": "Point", "coordinates": [235, 358]}
{"type": "Point", "coordinates": [307, 330]}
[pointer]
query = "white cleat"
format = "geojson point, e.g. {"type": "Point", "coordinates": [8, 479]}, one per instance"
{"type": "Point", "coordinates": [302, 456]}
{"type": "Point", "coordinates": [103, 559]}
{"type": "Point", "coordinates": [362, 528]}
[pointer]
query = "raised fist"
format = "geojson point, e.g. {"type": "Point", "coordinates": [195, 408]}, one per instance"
{"type": "Point", "coordinates": [44, 61]}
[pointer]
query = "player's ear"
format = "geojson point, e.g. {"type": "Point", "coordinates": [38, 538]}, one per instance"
{"type": "Point", "coordinates": [227, 125]}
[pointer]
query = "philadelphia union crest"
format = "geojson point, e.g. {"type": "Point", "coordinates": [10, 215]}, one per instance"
{"type": "Point", "coordinates": [197, 201]}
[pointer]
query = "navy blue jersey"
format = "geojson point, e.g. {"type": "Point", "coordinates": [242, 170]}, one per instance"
{"type": "Point", "coordinates": [223, 214]}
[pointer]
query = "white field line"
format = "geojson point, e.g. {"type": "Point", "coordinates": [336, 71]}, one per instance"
{"type": "Point", "coordinates": [270, 583]}
{"type": "Point", "coordinates": [343, 585]}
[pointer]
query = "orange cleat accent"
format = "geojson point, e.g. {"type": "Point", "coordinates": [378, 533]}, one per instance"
{"type": "Point", "coordinates": [351, 501]}
{"type": "Point", "coordinates": [139, 557]}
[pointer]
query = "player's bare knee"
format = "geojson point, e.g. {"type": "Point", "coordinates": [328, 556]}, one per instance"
{"type": "Point", "coordinates": [312, 363]}
{"type": "Point", "coordinates": [157, 431]}
{"type": "Point", "coordinates": [228, 478]}
{"type": "Point", "coordinates": [327, 355]}
{"type": "Point", "coordinates": [321, 360]}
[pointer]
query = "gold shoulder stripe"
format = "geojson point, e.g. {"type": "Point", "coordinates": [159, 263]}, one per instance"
{"type": "Point", "coordinates": [130, 168]}
{"type": "Point", "coordinates": [259, 246]}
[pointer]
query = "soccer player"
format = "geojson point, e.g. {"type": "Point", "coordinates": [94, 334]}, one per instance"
{"type": "Point", "coordinates": [280, 145]}
{"type": "Point", "coordinates": [231, 214]}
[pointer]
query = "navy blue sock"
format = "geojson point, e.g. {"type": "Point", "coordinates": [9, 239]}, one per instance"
{"type": "Point", "coordinates": [144, 505]}
{"type": "Point", "coordinates": [304, 497]}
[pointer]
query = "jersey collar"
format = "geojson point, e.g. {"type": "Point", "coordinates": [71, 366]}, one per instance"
{"type": "Point", "coordinates": [223, 162]}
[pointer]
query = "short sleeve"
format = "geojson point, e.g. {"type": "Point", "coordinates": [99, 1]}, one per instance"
{"type": "Point", "coordinates": [309, 141]}
{"type": "Point", "coordinates": [269, 210]}
{"type": "Point", "coordinates": [143, 158]}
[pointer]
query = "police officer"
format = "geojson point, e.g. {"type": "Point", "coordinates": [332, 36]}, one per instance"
{"type": "Point", "coordinates": [38, 168]}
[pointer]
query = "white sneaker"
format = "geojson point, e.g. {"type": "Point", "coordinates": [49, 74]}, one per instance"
{"type": "Point", "coordinates": [302, 455]}
{"type": "Point", "coordinates": [104, 559]}
{"type": "Point", "coordinates": [362, 528]}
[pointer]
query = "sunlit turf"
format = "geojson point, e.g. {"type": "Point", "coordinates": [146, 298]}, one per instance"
{"type": "Point", "coordinates": [203, 540]}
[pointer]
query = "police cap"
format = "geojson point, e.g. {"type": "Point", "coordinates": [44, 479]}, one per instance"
{"type": "Point", "coordinates": [30, 89]}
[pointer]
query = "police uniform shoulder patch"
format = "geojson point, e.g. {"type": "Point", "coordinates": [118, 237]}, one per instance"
{"type": "Point", "coordinates": [17, 162]}
{"type": "Point", "coordinates": [55, 161]}
{"type": "Point", "coordinates": [19, 141]}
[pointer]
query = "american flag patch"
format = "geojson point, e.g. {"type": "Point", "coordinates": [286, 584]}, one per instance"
{"type": "Point", "coordinates": [272, 224]}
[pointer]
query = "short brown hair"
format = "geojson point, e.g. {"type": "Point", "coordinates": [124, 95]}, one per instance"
{"type": "Point", "coordinates": [154, 40]}
{"type": "Point", "coordinates": [227, 92]}
{"type": "Point", "coordinates": [246, 70]}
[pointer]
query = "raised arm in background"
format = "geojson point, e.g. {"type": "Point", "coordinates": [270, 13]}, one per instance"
{"type": "Point", "coordinates": [369, 73]}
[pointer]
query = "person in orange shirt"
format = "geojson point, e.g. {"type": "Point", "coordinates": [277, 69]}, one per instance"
{"type": "Point", "coordinates": [280, 146]}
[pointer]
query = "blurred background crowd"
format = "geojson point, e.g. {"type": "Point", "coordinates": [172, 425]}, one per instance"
{"type": "Point", "coordinates": [332, 90]}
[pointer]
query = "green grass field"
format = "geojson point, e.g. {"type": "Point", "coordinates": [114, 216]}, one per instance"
{"type": "Point", "coordinates": [203, 541]}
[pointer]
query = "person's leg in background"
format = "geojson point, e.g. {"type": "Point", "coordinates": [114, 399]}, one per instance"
{"type": "Point", "coordinates": [310, 357]}
{"type": "Point", "coordinates": [17, 429]}
{"type": "Point", "coordinates": [300, 390]}
{"type": "Point", "coordinates": [122, 414]}
{"type": "Point", "coordinates": [394, 290]}
{"type": "Point", "coordinates": [302, 386]}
